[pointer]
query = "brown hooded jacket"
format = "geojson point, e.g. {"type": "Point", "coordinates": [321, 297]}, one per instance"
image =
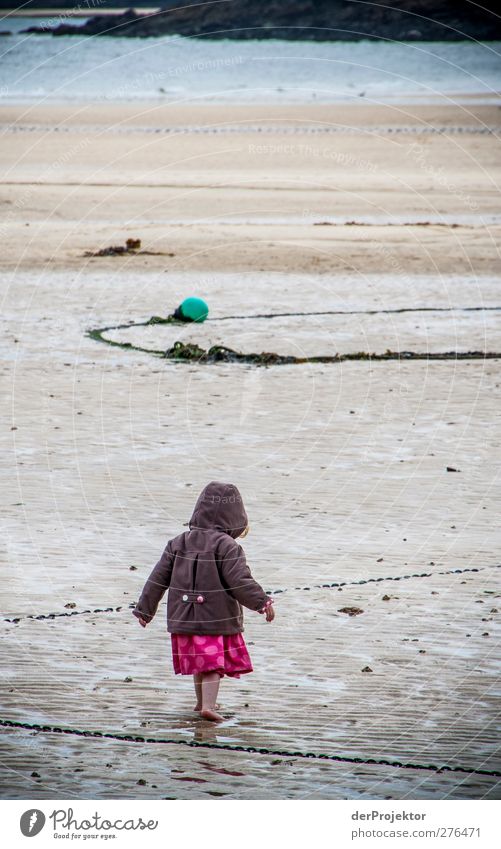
{"type": "Point", "coordinates": [205, 570]}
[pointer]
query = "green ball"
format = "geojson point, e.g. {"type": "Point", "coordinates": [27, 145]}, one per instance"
{"type": "Point", "coordinates": [194, 309]}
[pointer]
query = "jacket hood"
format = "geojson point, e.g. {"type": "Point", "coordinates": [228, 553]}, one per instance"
{"type": "Point", "coordinates": [220, 507]}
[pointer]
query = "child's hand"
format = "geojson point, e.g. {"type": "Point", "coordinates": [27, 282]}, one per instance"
{"type": "Point", "coordinates": [142, 622]}
{"type": "Point", "coordinates": [270, 613]}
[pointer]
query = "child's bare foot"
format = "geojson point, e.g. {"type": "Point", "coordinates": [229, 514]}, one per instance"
{"type": "Point", "coordinates": [212, 715]}
{"type": "Point", "coordinates": [198, 707]}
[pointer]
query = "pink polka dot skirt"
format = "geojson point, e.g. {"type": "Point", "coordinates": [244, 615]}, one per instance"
{"type": "Point", "coordinates": [226, 654]}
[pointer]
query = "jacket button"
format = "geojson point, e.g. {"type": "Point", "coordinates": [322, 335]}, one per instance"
{"type": "Point", "coordinates": [200, 599]}
{"type": "Point", "coordinates": [185, 598]}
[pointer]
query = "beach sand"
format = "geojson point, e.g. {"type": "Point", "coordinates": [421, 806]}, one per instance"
{"type": "Point", "coordinates": [346, 214]}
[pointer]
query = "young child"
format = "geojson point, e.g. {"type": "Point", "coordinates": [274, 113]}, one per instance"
{"type": "Point", "coordinates": [208, 580]}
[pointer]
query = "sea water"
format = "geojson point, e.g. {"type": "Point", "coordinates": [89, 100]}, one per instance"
{"type": "Point", "coordinates": [43, 68]}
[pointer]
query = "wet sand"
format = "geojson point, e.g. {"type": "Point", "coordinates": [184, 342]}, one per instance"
{"type": "Point", "coordinates": [343, 466]}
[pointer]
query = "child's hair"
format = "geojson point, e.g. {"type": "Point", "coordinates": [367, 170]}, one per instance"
{"type": "Point", "coordinates": [245, 532]}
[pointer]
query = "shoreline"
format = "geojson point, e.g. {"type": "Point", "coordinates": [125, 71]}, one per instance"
{"type": "Point", "coordinates": [354, 115]}
{"type": "Point", "coordinates": [460, 101]}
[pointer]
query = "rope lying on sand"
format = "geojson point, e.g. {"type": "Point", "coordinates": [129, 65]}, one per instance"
{"type": "Point", "coordinates": [192, 353]}
{"type": "Point", "coordinates": [397, 310]}
{"type": "Point", "coordinates": [71, 613]}
{"type": "Point", "coordinates": [181, 352]}
{"type": "Point", "coordinates": [195, 744]}
{"type": "Point", "coordinates": [265, 129]}
{"type": "Point", "coordinates": [335, 584]}
{"type": "Point", "coordinates": [393, 578]}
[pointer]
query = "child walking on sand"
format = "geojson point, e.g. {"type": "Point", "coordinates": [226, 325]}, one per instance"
{"type": "Point", "coordinates": [208, 580]}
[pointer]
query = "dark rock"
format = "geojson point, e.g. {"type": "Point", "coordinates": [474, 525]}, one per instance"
{"type": "Point", "coordinates": [303, 20]}
{"type": "Point", "coordinates": [351, 611]}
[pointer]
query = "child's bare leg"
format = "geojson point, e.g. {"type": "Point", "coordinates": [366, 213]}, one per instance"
{"type": "Point", "coordinates": [210, 688]}
{"type": "Point", "coordinates": [197, 680]}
